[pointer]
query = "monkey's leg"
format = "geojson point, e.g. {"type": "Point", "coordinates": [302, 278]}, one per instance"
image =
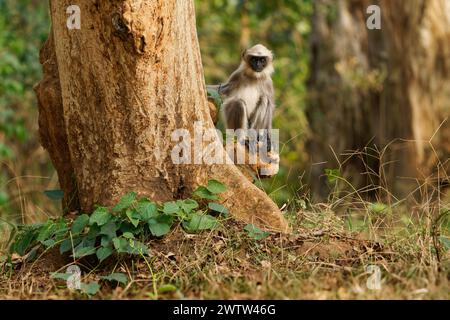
{"type": "Point", "coordinates": [268, 127]}
{"type": "Point", "coordinates": [267, 154]}
{"type": "Point", "coordinates": [235, 114]}
{"type": "Point", "coordinates": [236, 118]}
{"type": "Point", "coordinates": [265, 139]}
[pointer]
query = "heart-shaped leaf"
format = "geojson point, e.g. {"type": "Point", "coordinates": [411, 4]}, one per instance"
{"type": "Point", "coordinates": [121, 244]}
{"type": "Point", "coordinates": [203, 193]}
{"type": "Point", "coordinates": [79, 224]}
{"type": "Point", "coordinates": [46, 231]}
{"type": "Point", "coordinates": [103, 253]}
{"type": "Point", "coordinates": [61, 276]}
{"type": "Point", "coordinates": [134, 217]}
{"type": "Point", "coordinates": [125, 202]}
{"type": "Point", "coordinates": [200, 222]}
{"type": "Point", "coordinates": [216, 187]}
{"type": "Point", "coordinates": [171, 207]}
{"type": "Point", "coordinates": [84, 251]}
{"type": "Point", "coordinates": [188, 205]}
{"type": "Point", "coordinates": [91, 288]}
{"type": "Point", "coordinates": [106, 241]}
{"type": "Point", "coordinates": [117, 277]}
{"type": "Point", "coordinates": [109, 229]}
{"type": "Point", "coordinates": [66, 245]}
{"type": "Point", "coordinates": [157, 228]}
{"type": "Point", "coordinates": [128, 235]}
{"type": "Point", "coordinates": [256, 233]}
{"type": "Point", "coordinates": [100, 216]}
{"type": "Point", "coordinates": [217, 207]}
{"type": "Point", "coordinates": [147, 210]}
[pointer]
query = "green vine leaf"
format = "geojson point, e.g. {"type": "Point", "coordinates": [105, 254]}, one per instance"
{"type": "Point", "coordinates": [200, 222]}
{"type": "Point", "coordinates": [216, 187]}
{"type": "Point", "coordinates": [134, 217]}
{"type": "Point", "coordinates": [171, 207]}
{"type": "Point", "coordinates": [256, 233]}
{"type": "Point", "coordinates": [100, 216]}
{"type": "Point", "coordinates": [147, 210]}
{"type": "Point", "coordinates": [203, 193]}
{"type": "Point", "coordinates": [217, 207]}
{"type": "Point", "coordinates": [84, 251]}
{"type": "Point", "coordinates": [103, 253]}
{"type": "Point", "coordinates": [157, 228]}
{"type": "Point", "coordinates": [117, 277]}
{"type": "Point", "coordinates": [90, 289]}
{"type": "Point", "coordinates": [79, 224]}
{"type": "Point", "coordinates": [125, 202]}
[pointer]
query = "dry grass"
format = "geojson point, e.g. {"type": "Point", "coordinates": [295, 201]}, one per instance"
{"type": "Point", "coordinates": [325, 257]}
{"type": "Point", "coordinates": [321, 260]}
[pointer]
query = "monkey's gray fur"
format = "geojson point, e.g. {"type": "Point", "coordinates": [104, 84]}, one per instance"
{"type": "Point", "coordinates": [248, 93]}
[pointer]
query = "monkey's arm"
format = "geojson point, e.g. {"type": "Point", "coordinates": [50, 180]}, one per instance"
{"type": "Point", "coordinates": [213, 87]}
{"type": "Point", "coordinates": [222, 89]}
{"type": "Point", "coordinates": [226, 88]}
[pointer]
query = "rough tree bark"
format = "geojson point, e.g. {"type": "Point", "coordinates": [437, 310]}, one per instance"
{"type": "Point", "coordinates": [52, 128]}
{"type": "Point", "coordinates": [378, 88]}
{"type": "Point", "coordinates": [128, 79]}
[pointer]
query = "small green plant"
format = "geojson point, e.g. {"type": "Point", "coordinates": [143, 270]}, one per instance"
{"type": "Point", "coordinates": [256, 233]}
{"type": "Point", "coordinates": [90, 289]}
{"type": "Point", "coordinates": [116, 277]}
{"type": "Point", "coordinates": [124, 228]}
{"type": "Point", "coordinates": [378, 208]}
{"type": "Point", "coordinates": [332, 175]}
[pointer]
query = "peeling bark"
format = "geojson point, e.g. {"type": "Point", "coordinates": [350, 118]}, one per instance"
{"type": "Point", "coordinates": [52, 128]}
{"type": "Point", "coordinates": [128, 78]}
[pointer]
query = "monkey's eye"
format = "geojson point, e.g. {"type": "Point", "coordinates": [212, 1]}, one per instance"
{"type": "Point", "coordinates": [254, 59]}
{"type": "Point", "coordinates": [258, 59]}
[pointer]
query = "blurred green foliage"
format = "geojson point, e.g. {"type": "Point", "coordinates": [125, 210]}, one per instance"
{"type": "Point", "coordinates": [24, 26]}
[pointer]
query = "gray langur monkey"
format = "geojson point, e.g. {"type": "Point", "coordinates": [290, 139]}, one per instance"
{"type": "Point", "coordinates": [248, 94]}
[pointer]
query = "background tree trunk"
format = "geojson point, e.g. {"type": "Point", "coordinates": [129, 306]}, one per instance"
{"type": "Point", "coordinates": [378, 88]}
{"type": "Point", "coordinates": [129, 78]}
{"type": "Point", "coordinates": [244, 39]}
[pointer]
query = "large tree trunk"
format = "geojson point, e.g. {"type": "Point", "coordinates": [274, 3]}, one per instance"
{"type": "Point", "coordinates": [376, 89]}
{"type": "Point", "coordinates": [129, 78]}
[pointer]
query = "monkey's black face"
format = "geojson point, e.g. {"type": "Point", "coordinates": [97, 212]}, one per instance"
{"type": "Point", "coordinates": [258, 64]}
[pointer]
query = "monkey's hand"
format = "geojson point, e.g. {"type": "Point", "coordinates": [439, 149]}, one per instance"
{"type": "Point", "coordinates": [273, 157]}
{"type": "Point", "coordinates": [269, 166]}
{"type": "Point", "coordinates": [254, 164]}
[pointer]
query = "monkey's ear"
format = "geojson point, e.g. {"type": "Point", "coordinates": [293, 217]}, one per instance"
{"type": "Point", "coordinates": [244, 52]}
